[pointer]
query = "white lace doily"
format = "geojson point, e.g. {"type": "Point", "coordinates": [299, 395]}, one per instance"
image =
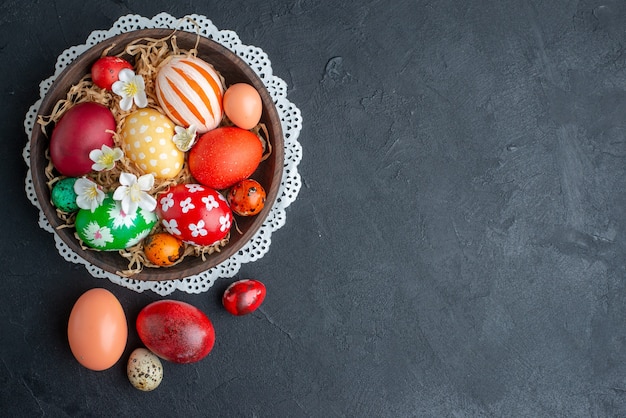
{"type": "Point", "coordinates": [291, 121]}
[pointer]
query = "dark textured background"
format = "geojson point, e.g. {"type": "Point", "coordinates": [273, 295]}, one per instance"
{"type": "Point", "coordinates": [457, 248]}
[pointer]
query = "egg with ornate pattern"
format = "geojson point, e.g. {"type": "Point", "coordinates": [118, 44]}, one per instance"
{"type": "Point", "coordinates": [190, 92]}
{"type": "Point", "coordinates": [195, 214]}
{"type": "Point", "coordinates": [147, 141]}
{"type": "Point", "coordinates": [108, 228]}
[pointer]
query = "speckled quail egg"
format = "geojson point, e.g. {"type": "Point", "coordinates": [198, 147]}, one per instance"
{"type": "Point", "coordinates": [144, 370]}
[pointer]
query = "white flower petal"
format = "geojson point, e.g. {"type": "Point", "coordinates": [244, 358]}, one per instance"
{"type": "Point", "coordinates": [81, 184]}
{"type": "Point", "coordinates": [95, 155]}
{"type": "Point", "coordinates": [120, 193]}
{"type": "Point", "coordinates": [118, 154]}
{"type": "Point", "coordinates": [138, 80]}
{"type": "Point", "coordinates": [118, 88]}
{"type": "Point", "coordinates": [129, 206]}
{"type": "Point", "coordinates": [146, 182]}
{"type": "Point", "coordinates": [141, 100]}
{"type": "Point", "coordinates": [82, 202]}
{"type": "Point", "coordinates": [126, 103]}
{"type": "Point", "coordinates": [127, 179]}
{"type": "Point", "coordinates": [126, 75]}
{"type": "Point", "coordinates": [147, 202]}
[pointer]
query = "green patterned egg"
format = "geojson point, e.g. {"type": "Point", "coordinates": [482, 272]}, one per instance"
{"type": "Point", "coordinates": [63, 196]}
{"type": "Point", "coordinates": [109, 228]}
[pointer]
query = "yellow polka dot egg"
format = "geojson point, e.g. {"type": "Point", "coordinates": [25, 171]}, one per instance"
{"type": "Point", "coordinates": [146, 136]}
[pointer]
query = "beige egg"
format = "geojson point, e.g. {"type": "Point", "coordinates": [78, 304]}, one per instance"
{"type": "Point", "coordinates": [147, 140]}
{"type": "Point", "coordinates": [144, 370]}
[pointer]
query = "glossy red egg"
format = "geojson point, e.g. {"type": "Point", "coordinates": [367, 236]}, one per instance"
{"type": "Point", "coordinates": [224, 156]}
{"type": "Point", "coordinates": [194, 213]}
{"type": "Point", "coordinates": [83, 128]}
{"type": "Point", "coordinates": [176, 331]}
{"type": "Point", "coordinates": [244, 296]}
{"type": "Point", "coordinates": [105, 71]}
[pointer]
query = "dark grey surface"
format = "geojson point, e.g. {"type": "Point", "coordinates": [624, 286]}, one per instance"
{"type": "Point", "coordinates": [457, 248]}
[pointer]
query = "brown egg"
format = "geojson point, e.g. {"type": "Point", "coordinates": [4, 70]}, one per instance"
{"type": "Point", "coordinates": [97, 329]}
{"type": "Point", "coordinates": [243, 105]}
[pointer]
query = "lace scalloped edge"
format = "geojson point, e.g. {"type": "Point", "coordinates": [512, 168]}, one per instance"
{"type": "Point", "coordinates": [291, 121]}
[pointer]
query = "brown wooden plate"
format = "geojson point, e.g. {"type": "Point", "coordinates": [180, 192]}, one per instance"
{"type": "Point", "coordinates": [269, 173]}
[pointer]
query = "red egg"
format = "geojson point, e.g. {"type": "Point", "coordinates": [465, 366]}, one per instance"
{"type": "Point", "coordinates": [105, 71]}
{"type": "Point", "coordinates": [224, 156]}
{"type": "Point", "coordinates": [83, 128]}
{"type": "Point", "coordinates": [194, 213]}
{"type": "Point", "coordinates": [243, 296]}
{"type": "Point", "coordinates": [176, 331]}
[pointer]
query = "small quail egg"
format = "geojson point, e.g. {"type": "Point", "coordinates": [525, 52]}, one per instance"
{"type": "Point", "coordinates": [144, 370]}
{"type": "Point", "coordinates": [63, 195]}
{"type": "Point", "coordinates": [163, 249]}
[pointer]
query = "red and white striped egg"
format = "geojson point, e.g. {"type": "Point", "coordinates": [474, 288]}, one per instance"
{"type": "Point", "coordinates": [190, 92]}
{"type": "Point", "coordinates": [194, 213]}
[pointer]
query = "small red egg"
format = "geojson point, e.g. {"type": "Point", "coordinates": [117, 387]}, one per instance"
{"type": "Point", "coordinates": [105, 71]}
{"type": "Point", "coordinates": [246, 198]}
{"type": "Point", "coordinates": [243, 296]}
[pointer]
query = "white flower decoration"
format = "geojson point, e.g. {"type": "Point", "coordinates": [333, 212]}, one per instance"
{"type": "Point", "coordinates": [132, 193]}
{"type": "Point", "coordinates": [135, 240]}
{"type": "Point", "coordinates": [210, 202]}
{"type": "Point", "coordinates": [121, 218]}
{"type": "Point", "coordinates": [148, 217]}
{"type": "Point", "coordinates": [167, 202]}
{"type": "Point", "coordinates": [131, 88]}
{"type": "Point", "coordinates": [97, 235]}
{"type": "Point", "coordinates": [224, 223]}
{"type": "Point", "coordinates": [89, 195]}
{"type": "Point", "coordinates": [184, 138]}
{"type": "Point", "coordinates": [186, 205]}
{"type": "Point", "coordinates": [198, 229]}
{"type": "Point", "coordinates": [193, 188]}
{"type": "Point", "coordinates": [171, 226]}
{"type": "Point", "coordinates": [105, 158]}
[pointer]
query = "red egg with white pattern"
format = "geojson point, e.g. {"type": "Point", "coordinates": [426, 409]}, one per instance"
{"type": "Point", "coordinates": [194, 213]}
